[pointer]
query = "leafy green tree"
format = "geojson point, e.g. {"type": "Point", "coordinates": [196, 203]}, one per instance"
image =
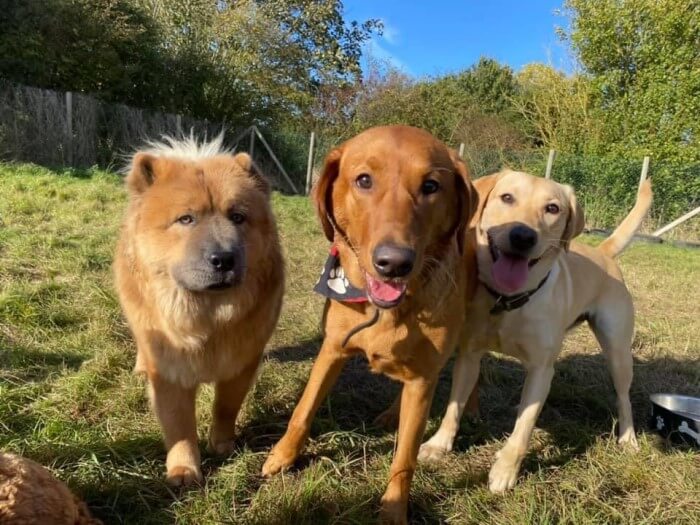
{"type": "Point", "coordinates": [240, 61]}
{"type": "Point", "coordinates": [643, 57]}
{"type": "Point", "coordinates": [446, 105]}
{"type": "Point", "coordinates": [557, 109]}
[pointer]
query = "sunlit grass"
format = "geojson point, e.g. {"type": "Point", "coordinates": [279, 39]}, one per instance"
{"type": "Point", "coordinates": [69, 400]}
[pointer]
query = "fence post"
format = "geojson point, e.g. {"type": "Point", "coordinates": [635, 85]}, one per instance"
{"type": "Point", "coordinates": [550, 163]}
{"type": "Point", "coordinates": [251, 149]}
{"type": "Point", "coordinates": [645, 171]}
{"type": "Point", "coordinates": [69, 127]}
{"type": "Point", "coordinates": [679, 220]}
{"type": "Point", "coordinates": [310, 164]}
{"type": "Point", "coordinates": [275, 159]}
{"type": "Point", "coordinates": [461, 150]}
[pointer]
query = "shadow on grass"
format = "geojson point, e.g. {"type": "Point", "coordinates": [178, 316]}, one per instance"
{"type": "Point", "coordinates": [122, 481]}
{"type": "Point", "coordinates": [303, 351]}
{"type": "Point", "coordinates": [18, 363]}
{"type": "Point", "coordinates": [580, 410]}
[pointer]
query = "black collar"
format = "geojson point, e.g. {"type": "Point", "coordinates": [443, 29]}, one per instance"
{"type": "Point", "coordinates": [506, 303]}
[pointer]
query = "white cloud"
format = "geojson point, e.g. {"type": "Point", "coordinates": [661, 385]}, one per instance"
{"type": "Point", "coordinates": [374, 49]}
{"type": "Point", "coordinates": [390, 33]}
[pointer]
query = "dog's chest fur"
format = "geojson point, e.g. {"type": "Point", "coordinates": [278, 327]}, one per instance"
{"type": "Point", "coordinates": [505, 332]}
{"type": "Point", "coordinates": [403, 343]}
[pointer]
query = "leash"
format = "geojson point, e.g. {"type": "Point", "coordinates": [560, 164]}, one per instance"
{"type": "Point", "coordinates": [506, 303]}
{"type": "Point", "coordinates": [362, 326]}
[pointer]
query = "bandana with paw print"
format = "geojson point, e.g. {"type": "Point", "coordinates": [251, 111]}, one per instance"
{"type": "Point", "coordinates": [333, 283]}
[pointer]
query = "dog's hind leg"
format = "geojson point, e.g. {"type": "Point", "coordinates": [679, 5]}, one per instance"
{"type": "Point", "coordinates": [613, 326]}
{"type": "Point", "coordinates": [465, 376]}
{"type": "Point", "coordinates": [324, 374]}
{"type": "Point", "coordinates": [389, 419]}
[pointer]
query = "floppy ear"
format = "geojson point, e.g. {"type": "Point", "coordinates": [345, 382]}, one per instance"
{"type": "Point", "coordinates": [484, 186]}
{"type": "Point", "coordinates": [142, 173]}
{"type": "Point", "coordinates": [323, 189]}
{"type": "Point", "coordinates": [245, 162]}
{"type": "Point", "coordinates": [467, 199]}
{"type": "Point", "coordinates": [575, 221]}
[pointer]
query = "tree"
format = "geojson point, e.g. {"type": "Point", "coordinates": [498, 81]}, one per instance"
{"type": "Point", "coordinates": [241, 62]}
{"type": "Point", "coordinates": [557, 109]}
{"type": "Point", "coordinates": [643, 57]}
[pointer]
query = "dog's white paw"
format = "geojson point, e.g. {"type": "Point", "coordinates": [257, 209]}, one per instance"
{"type": "Point", "coordinates": [629, 441]}
{"type": "Point", "coordinates": [503, 475]}
{"type": "Point", "coordinates": [184, 475]}
{"type": "Point", "coordinates": [434, 450]}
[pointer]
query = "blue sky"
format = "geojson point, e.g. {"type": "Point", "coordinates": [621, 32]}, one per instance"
{"type": "Point", "coordinates": [434, 37]}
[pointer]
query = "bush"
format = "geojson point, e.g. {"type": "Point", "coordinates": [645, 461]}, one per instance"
{"type": "Point", "coordinates": [607, 186]}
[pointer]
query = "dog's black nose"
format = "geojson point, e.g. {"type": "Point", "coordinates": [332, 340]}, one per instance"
{"type": "Point", "coordinates": [522, 238]}
{"type": "Point", "coordinates": [393, 261]}
{"type": "Point", "coordinates": [222, 261]}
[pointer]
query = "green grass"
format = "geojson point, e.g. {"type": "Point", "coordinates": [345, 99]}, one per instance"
{"type": "Point", "coordinates": [69, 400]}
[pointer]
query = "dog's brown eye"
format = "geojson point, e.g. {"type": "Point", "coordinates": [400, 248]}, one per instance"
{"type": "Point", "coordinates": [507, 198]}
{"type": "Point", "coordinates": [237, 218]}
{"type": "Point", "coordinates": [552, 208]}
{"type": "Point", "coordinates": [364, 181]}
{"type": "Point", "coordinates": [429, 186]}
{"type": "Point", "coordinates": [186, 220]}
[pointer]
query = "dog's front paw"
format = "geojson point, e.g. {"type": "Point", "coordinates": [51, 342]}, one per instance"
{"type": "Point", "coordinates": [393, 512]}
{"type": "Point", "coordinates": [629, 441]}
{"type": "Point", "coordinates": [503, 474]}
{"type": "Point", "coordinates": [277, 461]}
{"type": "Point", "coordinates": [221, 447]}
{"type": "Point", "coordinates": [183, 475]}
{"type": "Point", "coordinates": [433, 451]}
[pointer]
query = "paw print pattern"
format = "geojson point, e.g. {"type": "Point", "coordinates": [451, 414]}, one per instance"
{"type": "Point", "coordinates": [337, 281]}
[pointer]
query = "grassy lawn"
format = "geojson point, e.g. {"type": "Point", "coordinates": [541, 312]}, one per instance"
{"type": "Point", "coordinates": [69, 400]}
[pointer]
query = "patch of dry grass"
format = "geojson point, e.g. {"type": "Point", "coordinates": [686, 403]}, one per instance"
{"type": "Point", "coordinates": [68, 398]}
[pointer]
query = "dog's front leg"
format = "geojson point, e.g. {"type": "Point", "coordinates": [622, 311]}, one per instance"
{"type": "Point", "coordinates": [228, 398]}
{"type": "Point", "coordinates": [174, 408]}
{"type": "Point", "coordinates": [505, 471]}
{"type": "Point", "coordinates": [416, 397]}
{"type": "Point", "coordinates": [465, 376]}
{"type": "Point", "coordinates": [324, 374]}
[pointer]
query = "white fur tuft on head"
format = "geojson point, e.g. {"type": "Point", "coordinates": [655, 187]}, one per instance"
{"type": "Point", "coordinates": [187, 147]}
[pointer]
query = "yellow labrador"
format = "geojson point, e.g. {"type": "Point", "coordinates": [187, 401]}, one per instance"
{"type": "Point", "coordinates": [534, 286]}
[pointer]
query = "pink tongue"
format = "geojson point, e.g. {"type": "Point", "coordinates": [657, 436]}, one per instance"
{"type": "Point", "coordinates": [509, 273]}
{"type": "Point", "coordinates": [385, 291]}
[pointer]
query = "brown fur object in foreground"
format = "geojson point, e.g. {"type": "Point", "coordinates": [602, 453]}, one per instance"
{"type": "Point", "coordinates": [31, 495]}
{"type": "Point", "coordinates": [396, 203]}
{"type": "Point", "coordinates": [200, 278]}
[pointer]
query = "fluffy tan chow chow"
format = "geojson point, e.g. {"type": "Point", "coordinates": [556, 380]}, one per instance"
{"type": "Point", "coordinates": [200, 278]}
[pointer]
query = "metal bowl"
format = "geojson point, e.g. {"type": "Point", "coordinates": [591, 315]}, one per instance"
{"type": "Point", "coordinates": [676, 417]}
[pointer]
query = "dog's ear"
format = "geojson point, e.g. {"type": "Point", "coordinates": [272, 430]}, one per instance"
{"type": "Point", "coordinates": [142, 172]}
{"type": "Point", "coordinates": [575, 221]}
{"type": "Point", "coordinates": [467, 198]}
{"type": "Point", "coordinates": [245, 162]}
{"type": "Point", "coordinates": [484, 186]}
{"type": "Point", "coordinates": [323, 189]}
